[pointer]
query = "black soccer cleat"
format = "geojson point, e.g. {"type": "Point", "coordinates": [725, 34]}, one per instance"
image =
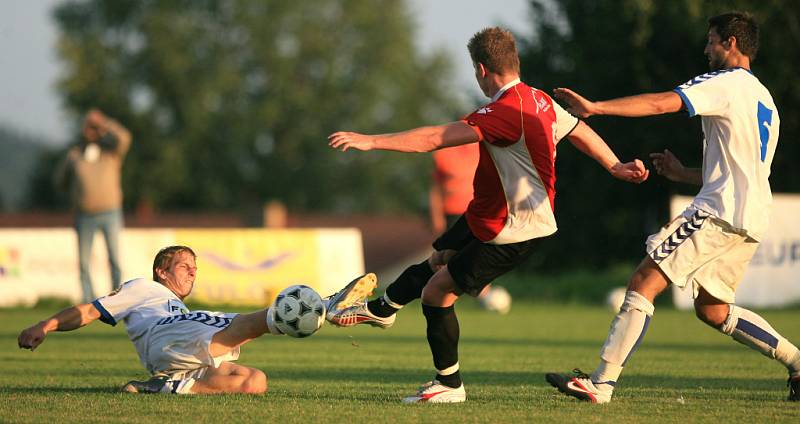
{"type": "Point", "coordinates": [154, 385]}
{"type": "Point", "coordinates": [794, 388]}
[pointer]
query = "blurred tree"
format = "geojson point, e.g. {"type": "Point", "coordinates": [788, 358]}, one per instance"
{"type": "Point", "coordinates": [20, 153]}
{"type": "Point", "coordinates": [230, 102]}
{"type": "Point", "coordinates": [612, 48]}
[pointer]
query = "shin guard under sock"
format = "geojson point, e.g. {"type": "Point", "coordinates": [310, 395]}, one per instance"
{"type": "Point", "coordinates": [443, 333]}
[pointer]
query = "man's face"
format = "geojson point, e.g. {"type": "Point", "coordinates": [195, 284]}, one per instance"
{"type": "Point", "coordinates": [716, 50]}
{"type": "Point", "coordinates": [179, 276]}
{"type": "Point", "coordinates": [90, 132]}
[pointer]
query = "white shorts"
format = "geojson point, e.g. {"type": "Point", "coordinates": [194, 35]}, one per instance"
{"type": "Point", "coordinates": [181, 344]}
{"type": "Point", "coordinates": [700, 249]}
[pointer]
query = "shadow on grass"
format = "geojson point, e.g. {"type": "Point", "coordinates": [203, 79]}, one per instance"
{"type": "Point", "coordinates": [39, 390]}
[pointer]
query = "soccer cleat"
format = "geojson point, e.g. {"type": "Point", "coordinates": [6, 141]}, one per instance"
{"type": "Point", "coordinates": [154, 385]}
{"type": "Point", "coordinates": [794, 388]}
{"type": "Point", "coordinates": [356, 291]}
{"type": "Point", "coordinates": [580, 386]}
{"type": "Point", "coordinates": [359, 314]}
{"type": "Point", "coordinates": [436, 392]}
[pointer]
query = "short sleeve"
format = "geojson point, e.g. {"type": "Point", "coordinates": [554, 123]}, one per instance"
{"type": "Point", "coordinates": [115, 306]}
{"type": "Point", "coordinates": [565, 122]}
{"type": "Point", "coordinates": [708, 94]}
{"type": "Point", "coordinates": [497, 124]}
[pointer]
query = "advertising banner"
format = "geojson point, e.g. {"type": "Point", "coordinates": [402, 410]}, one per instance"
{"type": "Point", "coordinates": [235, 266]}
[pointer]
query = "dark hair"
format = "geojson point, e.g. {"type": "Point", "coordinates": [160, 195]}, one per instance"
{"type": "Point", "coordinates": [164, 257]}
{"type": "Point", "coordinates": [741, 25]}
{"type": "Point", "coordinates": [495, 49]}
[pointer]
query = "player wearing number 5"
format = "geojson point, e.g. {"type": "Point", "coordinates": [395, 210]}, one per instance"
{"type": "Point", "coordinates": [709, 246]}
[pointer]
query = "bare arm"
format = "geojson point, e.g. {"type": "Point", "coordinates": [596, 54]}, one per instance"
{"type": "Point", "coordinates": [108, 125]}
{"type": "Point", "coordinates": [632, 106]}
{"type": "Point", "coordinates": [67, 320]}
{"type": "Point", "coordinates": [588, 142]}
{"type": "Point", "coordinates": [423, 139]}
{"type": "Point", "coordinates": [669, 166]}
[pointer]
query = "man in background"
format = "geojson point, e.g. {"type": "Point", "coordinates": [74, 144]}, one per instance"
{"type": "Point", "coordinates": [92, 172]}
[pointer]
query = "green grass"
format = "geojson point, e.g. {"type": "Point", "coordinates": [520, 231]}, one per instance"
{"type": "Point", "coordinates": [683, 372]}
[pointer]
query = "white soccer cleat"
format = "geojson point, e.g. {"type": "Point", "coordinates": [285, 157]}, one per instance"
{"type": "Point", "coordinates": [354, 292]}
{"type": "Point", "coordinates": [580, 386]}
{"type": "Point", "coordinates": [359, 314]}
{"type": "Point", "coordinates": [435, 392]}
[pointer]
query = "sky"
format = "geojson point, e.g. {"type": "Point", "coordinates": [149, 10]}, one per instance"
{"type": "Point", "coordinates": [29, 67]}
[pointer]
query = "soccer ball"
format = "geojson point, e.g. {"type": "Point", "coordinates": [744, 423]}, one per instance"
{"type": "Point", "coordinates": [299, 311]}
{"type": "Point", "coordinates": [497, 299]}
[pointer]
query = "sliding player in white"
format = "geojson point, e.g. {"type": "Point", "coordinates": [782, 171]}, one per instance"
{"type": "Point", "coordinates": [709, 246]}
{"type": "Point", "coordinates": [186, 352]}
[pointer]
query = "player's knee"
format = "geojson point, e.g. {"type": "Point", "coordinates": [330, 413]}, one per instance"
{"type": "Point", "coordinates": [714, 317]}
{"type": "Point", "coordinates": [440, 291]}
{"type": "Point", "coordinates": [256, 382]}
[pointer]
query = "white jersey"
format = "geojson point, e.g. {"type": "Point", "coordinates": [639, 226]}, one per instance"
{"type": "Point", "coordinates": [740, 124]}
{"type": "Point", "coordinates": [147, 307]}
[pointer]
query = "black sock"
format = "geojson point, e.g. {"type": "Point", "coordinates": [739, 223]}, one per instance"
{"type": "Point", "coordinates": [443, 335]}
{"type": "Point", "coordinates": [407, 287]}
{"type": "Point", "coordinates": [380, 308]}
{"type": "Point", "coordinates": [453, 380]}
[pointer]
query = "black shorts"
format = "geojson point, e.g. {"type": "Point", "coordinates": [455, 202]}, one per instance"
{"type": "Point", "coordinates": [476, 264]}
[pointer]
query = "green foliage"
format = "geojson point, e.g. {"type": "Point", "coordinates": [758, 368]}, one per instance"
{"type": "Point", "coordinates": [230, 102]}
{"type": "Point", "coordinates": [613, 48]}
{"type": "Point", "coordinates": [19, 154]}
{"type": "Point", "coordinates": [682, 372]}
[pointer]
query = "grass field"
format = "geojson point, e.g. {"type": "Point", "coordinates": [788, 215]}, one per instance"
{"type": "Point", "coordinates": [684, 372]}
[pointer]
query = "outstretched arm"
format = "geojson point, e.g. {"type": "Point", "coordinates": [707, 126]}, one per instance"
{"type": "Point", "coordinates": [588, 142]}
{"type": "Point", "coordinates": [633, 106]}
{"type": "Point", "coordinates": [670, 167]}
{"type": "Point", "coordinates": [423, 139]}
{"type": "Point", "coordinates": [67, 320]}
{"type": "Point", "coordinates": [108, 125]}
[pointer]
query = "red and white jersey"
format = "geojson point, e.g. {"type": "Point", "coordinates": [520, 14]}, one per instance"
{"type": "Point", "coordinates": [515, 180]}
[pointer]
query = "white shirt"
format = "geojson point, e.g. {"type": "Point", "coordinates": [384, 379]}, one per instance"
{"type": "Point", "coordinates": [740, 124]}
{"type": "Point", "coordinates": [145, 306]}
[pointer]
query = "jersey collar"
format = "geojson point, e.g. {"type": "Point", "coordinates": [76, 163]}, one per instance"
{"type": "Point", "coordinates": [503, 90]}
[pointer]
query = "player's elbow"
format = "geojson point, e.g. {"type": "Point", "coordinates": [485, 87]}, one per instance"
{"type": "Point", "coordinates": [659, 108]}
{"type": "Point", "coordinates": [427, 143]}
{"type": "Point", "coordinates": [667, 102]}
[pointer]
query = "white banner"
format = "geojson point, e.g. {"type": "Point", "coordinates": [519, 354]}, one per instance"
{"type": "Point", "coordinates": [773, 277]}
{"type": "Point", "coordinates": [235, 266]}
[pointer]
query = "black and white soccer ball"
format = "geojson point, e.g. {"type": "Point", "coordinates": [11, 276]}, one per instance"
{"type": "Point", "coordinates": [299, 311]}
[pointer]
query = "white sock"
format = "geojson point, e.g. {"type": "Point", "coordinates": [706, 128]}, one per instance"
{"type": "Point", "coordinates": [449, 370]}
{"type": "Point", "coordinates": [627, 331]}
{"type": "Point", "coordinates": [180, 387]}
{"type": "Point", "coordinates": [271, 322]}
{"type": "Point", "coordinates": [748, 328]}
